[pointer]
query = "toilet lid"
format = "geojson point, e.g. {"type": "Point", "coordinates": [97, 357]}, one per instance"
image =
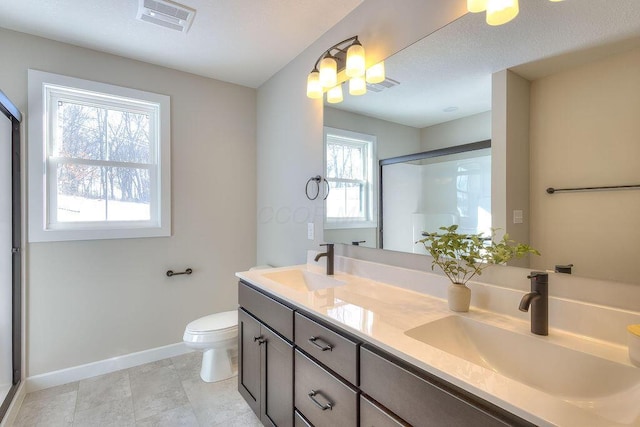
{"type": "Point", "coordinates": [214, 322]}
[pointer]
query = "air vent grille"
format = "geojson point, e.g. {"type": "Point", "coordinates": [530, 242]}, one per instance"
{"type": "Point", "coordinates": [166, 14]}
{"type": "Point", "coordinates": [385, 84]}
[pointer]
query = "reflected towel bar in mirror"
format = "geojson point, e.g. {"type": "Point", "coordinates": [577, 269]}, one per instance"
{"type": "Point", "coordinates": [552, 190]}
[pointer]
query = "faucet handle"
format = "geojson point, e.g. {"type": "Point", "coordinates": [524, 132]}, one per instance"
{"type": "Point", "coordinates": [539, 276]}
{"type": "Point", "coordinates": [328, 245]}
{"type": "Point", "coordinates": [534, 274]}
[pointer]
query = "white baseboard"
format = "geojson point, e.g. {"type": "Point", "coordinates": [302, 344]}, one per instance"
{"type": "Point", "coordinates": [14, 407]}
{"type": "Point", "coordinates": [76, 373]}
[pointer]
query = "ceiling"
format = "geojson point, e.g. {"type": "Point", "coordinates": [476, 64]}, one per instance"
{"type": "Point", "coordinates": [238, 41]}
{"type": "Point", "coordinates": [453, 66]}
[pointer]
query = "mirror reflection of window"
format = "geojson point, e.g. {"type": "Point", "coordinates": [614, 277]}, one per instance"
{"type": "Point", "coordinates": [350, 175]}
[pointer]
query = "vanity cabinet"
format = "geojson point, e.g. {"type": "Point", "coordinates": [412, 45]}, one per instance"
{"type": "Point", "coordinates": [297, 370]}
{"type": "Point", "coordinates": [265, 359]}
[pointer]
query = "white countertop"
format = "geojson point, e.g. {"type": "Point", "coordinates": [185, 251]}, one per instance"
{"type": "Point", "coordinates": [380, 314]}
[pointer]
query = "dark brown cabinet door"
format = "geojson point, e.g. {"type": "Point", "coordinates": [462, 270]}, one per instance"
{"type": "Point", "coordinates": [265, 374]}
{"type": "Point", "coordinates": [249, 360]}
{"type": "Point", "coordinates": [277, 380]}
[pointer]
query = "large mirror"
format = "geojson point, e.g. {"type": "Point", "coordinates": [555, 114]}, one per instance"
{"type": "Point", "coordinates": [557, 91]}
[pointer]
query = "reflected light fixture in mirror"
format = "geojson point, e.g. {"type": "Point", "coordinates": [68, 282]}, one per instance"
{"type": "Point", "coordinates": [498, 11]}
{"type": "Point", "coordinates": [376, 74]}
{"type": "Point", "coordinates": [334, 95]}
{"type": "Point", "coordinates": [327, 75]}
{"type": "Point", "coordinates": [357, 86]}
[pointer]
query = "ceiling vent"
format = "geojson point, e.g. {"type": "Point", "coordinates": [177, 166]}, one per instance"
{"type": "Point", "coordinates": [385, 84]}
{"type": "Point", "coordinates": [166, 14]}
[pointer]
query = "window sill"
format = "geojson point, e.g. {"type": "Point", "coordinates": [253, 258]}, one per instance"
{"type": "Point", "coordinates": [40, 235]}
{"type": "Point", "coordinates": [338, 225]}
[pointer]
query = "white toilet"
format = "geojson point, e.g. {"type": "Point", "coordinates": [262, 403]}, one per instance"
{"type": "Point", "coordinates": [217, 336]}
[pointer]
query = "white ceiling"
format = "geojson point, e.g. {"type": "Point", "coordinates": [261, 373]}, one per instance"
{"type": "Point", "coordinates": [239, 41]}
{"type": "Point", "coordinates": [452, 67]}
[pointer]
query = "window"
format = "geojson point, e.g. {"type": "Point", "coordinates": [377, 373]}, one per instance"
{"type": "Point", "coordinates": [98, 160]}
{"type": "Point", "coordinates": [350, 174]}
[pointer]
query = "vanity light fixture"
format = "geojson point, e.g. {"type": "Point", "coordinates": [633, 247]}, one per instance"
{"type": "Point", "coordinates": [498, 11]}
{"type": "Point", "coordinates": [501, 11]}
{"type": "Point", "coordinates": [348, 57]}
{"type": "Point", "coordinates": [334, 95]}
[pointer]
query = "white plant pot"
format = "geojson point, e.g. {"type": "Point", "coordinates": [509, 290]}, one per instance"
{"type": "Point", "coordinates": [459, 297]}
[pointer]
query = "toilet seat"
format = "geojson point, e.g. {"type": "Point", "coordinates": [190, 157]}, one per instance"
{"type": "Point", "coordinates": [216, 327]}
{"type": "Point", "coordinates": [214, 322]}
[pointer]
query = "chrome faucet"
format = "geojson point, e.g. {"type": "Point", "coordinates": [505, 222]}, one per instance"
{"type": "Point", "coordinates": [329, 255]}
{"type": "Point", "coordinates": [538, 299]}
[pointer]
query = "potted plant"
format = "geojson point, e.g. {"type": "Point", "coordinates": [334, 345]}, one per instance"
{"type": "Point", "coordinates": [463, 256]}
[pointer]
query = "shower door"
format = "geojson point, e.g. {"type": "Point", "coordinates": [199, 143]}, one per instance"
{"type": "Point", "coordinates": [10, 257]}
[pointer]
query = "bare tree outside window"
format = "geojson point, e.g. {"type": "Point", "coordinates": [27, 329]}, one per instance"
{"type": "Point", "coordinates": [102, 157]}
{"type": "Point", "coordinates": [349, 158]}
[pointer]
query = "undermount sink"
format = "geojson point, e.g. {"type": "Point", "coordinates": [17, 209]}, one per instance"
{"type": "Point", "coordinates": [304, 279]}
{"type": "Point", "coordinates": [608, 389]}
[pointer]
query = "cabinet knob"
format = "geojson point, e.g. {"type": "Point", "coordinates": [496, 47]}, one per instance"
{"type": "Point", "coordinates": [260, 339]}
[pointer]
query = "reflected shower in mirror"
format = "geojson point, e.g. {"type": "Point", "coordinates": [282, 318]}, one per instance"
{"type": "Point", "coordinates": [425, 191]}
{"type": "Point", "coordinates": [559, 102]}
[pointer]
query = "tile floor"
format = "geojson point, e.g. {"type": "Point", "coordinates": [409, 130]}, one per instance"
{"type": "Point", "coordinates": [165, 393]}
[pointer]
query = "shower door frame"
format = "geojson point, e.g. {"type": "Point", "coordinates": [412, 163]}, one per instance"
{"type": "Point", "coordinates": [13, 114]}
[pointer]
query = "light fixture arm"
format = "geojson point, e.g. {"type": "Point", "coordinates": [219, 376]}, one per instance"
{"type": "Point", "coordinates": [340, 51]}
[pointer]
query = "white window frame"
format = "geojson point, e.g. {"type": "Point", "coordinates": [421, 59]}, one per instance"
{"type": "Point", "coordinates": [44, 89]}
{"type": "Point", "coordinates": [371, 172]}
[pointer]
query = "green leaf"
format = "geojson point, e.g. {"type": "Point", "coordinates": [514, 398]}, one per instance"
{"type": "Point", "coordinates": [462, 256]}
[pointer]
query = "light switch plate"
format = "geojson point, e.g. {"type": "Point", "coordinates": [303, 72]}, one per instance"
{"type": "Point", "coordinates": [517, 217]}
{"type": "Point", "coordinates": [310, 231]}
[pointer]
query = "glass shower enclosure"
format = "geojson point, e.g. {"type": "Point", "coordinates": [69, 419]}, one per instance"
{"type": "Point", "coordinates": [10, 253]}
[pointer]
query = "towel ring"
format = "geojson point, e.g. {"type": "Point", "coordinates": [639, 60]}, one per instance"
{"type": "Point", "coordinates": [327, 188]}
{"type": "Point", "coordinates": [317, 180]}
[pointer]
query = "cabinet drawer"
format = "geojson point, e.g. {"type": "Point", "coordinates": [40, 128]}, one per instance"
{"type": "Point", "coordinates": [323, 399]}
{"type": "Point", "coordinates": [278, 316]}
{"type": "Point", "coordinates": [330, 348]}
{"type": "Point", "coordinates": [300, 421]}
{"type": "Point", "coordinates": [371, 415]}
{"type": "Point", "coordinates": [416, 400]}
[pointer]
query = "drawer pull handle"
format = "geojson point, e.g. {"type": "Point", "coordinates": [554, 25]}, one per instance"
{"type": "Point", "coordinates": [326, 347]}
{"type": "Point", "coordinates": [260, 340]}
{"type": "Point", "coordinates": [324, 407]}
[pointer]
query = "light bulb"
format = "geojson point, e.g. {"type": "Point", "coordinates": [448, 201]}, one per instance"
{"type": "Point", "coordinates": [334, 95]}
{"type": "Point", "coordinates": [328, 72]}
{"type": "Point", "coordinates": [501, 11]}
{"type": "Point", "coordinates": [357, 86]}
{"type": "Point", "coordinates": [355, 60]}
{"type": "Point", "coordinates": [314, 87]}
{"type": "Point", "coordinates": [475, 6]}
{"type": "Point", "coordinates": [375, 74]}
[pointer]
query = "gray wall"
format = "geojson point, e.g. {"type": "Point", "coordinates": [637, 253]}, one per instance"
{"type": "Point", "coordinates": [92, 300]}
{"type": "Point", "coordinates": [457, 132]}
{"type": "Point", "coordinates": [584, 132]}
